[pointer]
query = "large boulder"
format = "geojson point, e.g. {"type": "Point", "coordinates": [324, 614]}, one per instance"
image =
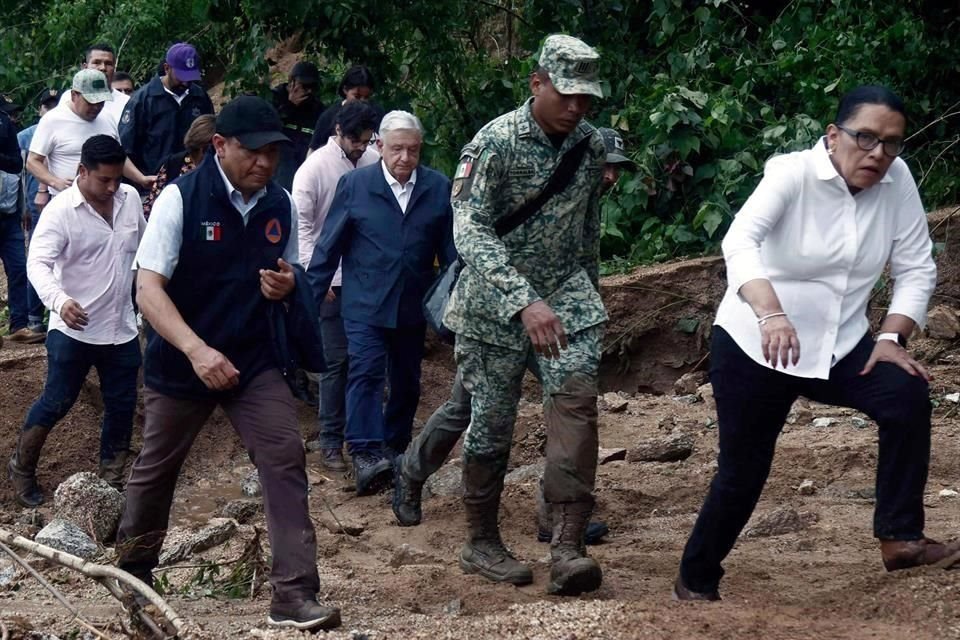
{"type": "Point", "coordinates": [67, 537]}
{"type": "Point", "coordinates": [89, 503]}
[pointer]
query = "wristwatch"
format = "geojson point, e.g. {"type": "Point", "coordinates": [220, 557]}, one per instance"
{"type": "Point", "coordinates": [892, 335]}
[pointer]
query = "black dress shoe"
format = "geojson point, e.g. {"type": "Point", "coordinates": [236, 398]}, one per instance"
{"type": "Point", "coordinates": [373, 473]}
{"type": "Point", "coordinates": [681, 592]}
{"type": "Point", "coordinates": [332, 459]}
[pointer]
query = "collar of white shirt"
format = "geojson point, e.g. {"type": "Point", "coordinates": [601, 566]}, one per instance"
{"type": "Point", "coordinates": [77, 199]}
{"type": "Point", "coordinates": [395, 184]}
{"type": "Point", "coordinates": [236, 198]}
{"type": "Point", "coordinates": [824, 166]}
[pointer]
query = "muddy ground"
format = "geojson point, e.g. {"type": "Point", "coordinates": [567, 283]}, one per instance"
{"type": "Point", "coordinates": [823, 579]}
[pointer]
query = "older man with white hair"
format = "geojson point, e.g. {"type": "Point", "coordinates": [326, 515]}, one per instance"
{"type": "Point", "coordinates": [389, 223]}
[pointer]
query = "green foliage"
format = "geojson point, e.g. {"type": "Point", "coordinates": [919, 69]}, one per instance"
{"type": "Point", "coordinates": [704, 91]}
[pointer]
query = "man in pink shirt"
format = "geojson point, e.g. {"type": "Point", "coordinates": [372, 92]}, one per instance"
{"type": "Point", "coordinates": [80, 262]}
{"type": "Point", "coordinates": [313, 188]}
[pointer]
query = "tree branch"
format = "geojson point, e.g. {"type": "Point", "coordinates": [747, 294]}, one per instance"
{"type": "Point", "coordinates": [99, 573]}
{"type": "Point", "coordinates": [505, 10]}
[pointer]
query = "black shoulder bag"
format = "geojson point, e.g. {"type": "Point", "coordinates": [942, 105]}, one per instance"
{"type": "Point", "coordinates": [438, 295]}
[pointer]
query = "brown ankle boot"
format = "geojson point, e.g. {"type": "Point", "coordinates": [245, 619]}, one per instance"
{"type": "Point", "coordinates": [22, 467]}
{"type": "Point", "coordinates": [484, 553]}
{"type": "Point", "coordinates": [114, 472]}
{"type": "Point", "coordinates": [572, 572]}
{"type": "Point", "coordinates": [903, 554]}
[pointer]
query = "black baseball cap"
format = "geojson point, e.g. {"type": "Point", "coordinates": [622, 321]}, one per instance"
{"type": "Point", "coordinates": [306, 72]}
{"type": "Point", "coordinates": [251, 120]}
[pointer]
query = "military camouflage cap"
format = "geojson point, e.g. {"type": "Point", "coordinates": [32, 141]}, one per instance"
{"type": "Point", "coordinates": [615, 149]}
{"type": "Point", "coordinates": [572, 65]}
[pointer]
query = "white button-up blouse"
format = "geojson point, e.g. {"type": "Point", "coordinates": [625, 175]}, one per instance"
{"type": "Point", "coordinates": [823, 250]}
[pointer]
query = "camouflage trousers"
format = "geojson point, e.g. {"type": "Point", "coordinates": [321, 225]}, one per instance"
{"type": "Point", "coordinates": [493, 375]}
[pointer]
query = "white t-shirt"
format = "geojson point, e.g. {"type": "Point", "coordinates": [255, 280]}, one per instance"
{"type": "Point", "coordinates": [60, 135]}
{"type": "Point", "coordinates": [113, 108]}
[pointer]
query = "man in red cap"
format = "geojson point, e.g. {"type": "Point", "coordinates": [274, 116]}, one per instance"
{"type": "Point", "coordinates": [158, 115]}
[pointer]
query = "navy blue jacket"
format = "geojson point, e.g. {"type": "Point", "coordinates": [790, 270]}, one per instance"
{"type": "Point", "coordinates": [388, 256]}
{"type": "Point", "coordinates": [216, 285]}
{"type": "Point", "coordinates": [10, 159]}
{"type": "Point", "coordinates": [153, 124]}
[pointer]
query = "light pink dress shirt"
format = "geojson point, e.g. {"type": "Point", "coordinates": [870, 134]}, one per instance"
{"type": "Point", "coordinates": [313, 187]}
{"type": "Point", "coordinates": [75, 254]}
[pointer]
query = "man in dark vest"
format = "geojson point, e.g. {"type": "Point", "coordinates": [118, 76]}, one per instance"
{"type": "Point", "coordinates": [216, 255]}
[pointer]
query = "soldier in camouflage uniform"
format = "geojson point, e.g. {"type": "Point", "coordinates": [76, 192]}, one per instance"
{"type": "Point", "coordinates": [429, 450]}
{"type": "Point", "coordinates": [531, 300]}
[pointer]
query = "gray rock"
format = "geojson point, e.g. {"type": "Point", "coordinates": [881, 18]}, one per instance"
{"type": "Point", "coordinates": [822, 423]}
{"type": "Point", "coordinates": [9, 573]}
{"type": "Point", "coordinates": [659, 450]}
{"type": "Point", "coordinates": [859, 423]}
{"type": "Point", "coordinates": [526, 473]}
{"type": "Point", "coordinates": [779, 522]}
{"type": "Point", "coordinates": [942, 323]}
{"type": "Point", "coordinates": [689, 383]}
{"type": "Point", "coordinates": [613, 402]}
{"type": "Point", "coordinates": [250, 486]}
{"type": "Point", "coordinates": [406, 555]}
{"type": "Point", "coordinates": [89, 503]}
{"type": "Point", "coordinates": [705, 391]}
{"type": "Point", "coordinates": [342, 524]}
{"type": "Point", "coordinates": [610, 455]}
{"type": "Point", "coordinates": [690, 398]}
{"type": "Point", "coordinates": [447, 481]}
{"type": "Point", "coordinates": [453, 608]}
{"type": "Point", "coordinates": [67, 537]}
{"type": "Point", "coordinates": [807, 488]}
{"type": "Point", "coordinates": [241, 510]}
{"type": "Point", "coordinates": [181, 544]}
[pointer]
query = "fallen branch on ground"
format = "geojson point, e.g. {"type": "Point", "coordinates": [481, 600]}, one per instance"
{"type": "Point", "coordinates": [56, 594]}
{"type": "Point", "coordinates": [106, 576]}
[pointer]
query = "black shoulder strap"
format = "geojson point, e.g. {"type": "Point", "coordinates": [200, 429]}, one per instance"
{"type": "Point", "coordinates": [558, 182]}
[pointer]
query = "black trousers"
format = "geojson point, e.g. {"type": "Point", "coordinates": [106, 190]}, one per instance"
{"type": "Point", "coordinates": [752, 405]}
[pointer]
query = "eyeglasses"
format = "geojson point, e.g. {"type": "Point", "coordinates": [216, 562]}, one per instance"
{"type": "Point", "coordinates": [869, 142]}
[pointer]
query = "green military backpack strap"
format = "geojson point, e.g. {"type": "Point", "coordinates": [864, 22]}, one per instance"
{"type": "Point", "coordinates": [438, 295]}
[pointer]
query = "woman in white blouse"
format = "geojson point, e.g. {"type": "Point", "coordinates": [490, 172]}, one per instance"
{"type": "Point", "coordinates": [802, 257]}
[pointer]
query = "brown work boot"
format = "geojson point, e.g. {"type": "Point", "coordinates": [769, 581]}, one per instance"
{"type": "Point", "coordinates": [332, 459]}
{"type": "Point", "coordinates": [114, 472]}
{"type": "Point", "coordinates": [22, 467]}
{"type": "Point", "coordinates": [25, 335]}
{"type": "Point", "coordinates": [903, 554]}
{"type": "Point", "coordinates": [572, 571]}
{"type": "Point", "coordinates": [484, 553]}
{"type": "Point", "coordinates": [594, 534]}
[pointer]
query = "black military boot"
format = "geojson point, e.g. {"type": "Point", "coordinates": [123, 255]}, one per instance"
{"type": "Point", "coordinates": [22, 467]}
{"type": "Point", "coordinates": [484, 553]}
{"type": "Point", "coordinates": [406, 496]}
{"type": "Point", "coordinates": [114, 472]}
{"type": "Point", "coordinates": [372, 472]}
{"type": "Point", "coordinates": [572, 572]}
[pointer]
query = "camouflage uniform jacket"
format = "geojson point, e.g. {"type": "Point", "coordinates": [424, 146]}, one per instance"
{"type": "Point", "coordinates": [553, 257]}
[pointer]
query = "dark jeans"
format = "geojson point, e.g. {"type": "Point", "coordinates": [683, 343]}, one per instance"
{"type": "Point", "coordinates": [265, 417]}
{"type": "Point", "coordinates": [332, 412]}
{"type": "Point", "coordinates": [752, 405]}
{"type": "Point", "coordinates": [34, 304]}
{"type": "Point", "coordinates": [373, 350]}
{"type": "Point", "coordinates": [429, 450]}
{"type": "Point", "coordinates": [14, 258]}
{"type": "Point", "coordinates": [68, 362]}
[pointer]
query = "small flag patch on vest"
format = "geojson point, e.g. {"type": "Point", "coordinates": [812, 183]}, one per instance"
{"type": "Point", "coordinates": [465, 168]}
{"type": "Point", "coordinates": [211, 231]}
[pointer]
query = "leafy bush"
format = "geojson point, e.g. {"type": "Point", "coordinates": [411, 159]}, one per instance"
{"type": "Point", "coordinates": [704, 91]}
